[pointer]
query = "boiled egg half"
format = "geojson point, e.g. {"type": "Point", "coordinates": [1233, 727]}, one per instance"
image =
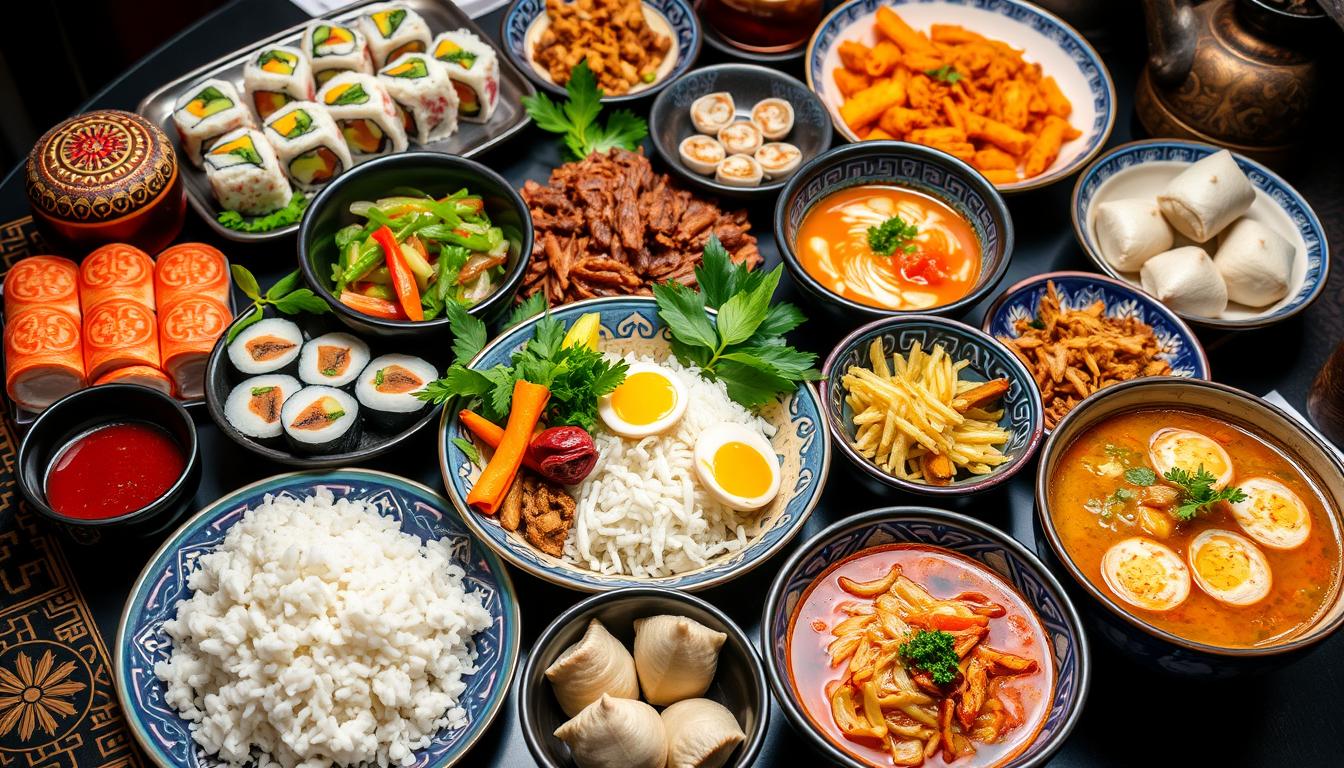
{"type": "Point", "coordinates": [737, 465]}
{"type": "Point", "coordinates": [1271, 513]}
{"type": "Point", "coordinates": [1229, 567]}
{"type": "Point", "coordinates": [1189, 450]}
{"type": "Point", "coordinates": [1146, 574]}
{"type": "Point", "coordinates": [649, 402]}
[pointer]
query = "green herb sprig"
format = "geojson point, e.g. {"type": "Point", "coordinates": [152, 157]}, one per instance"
{"type": "Point", "coordinates": [892, 235]}
{"type": "Point", "coordinates": [1197, 493]}
{"type": "Point", "coordinates": [285, 296]}
{"type": "Point", "coordinates": [576, 119]}
{"type": "Point", "coordinates": [933, 652]}
{"type": "Point", "coordinates": [292, 213]}
{"type": "Point", "coordinates": [946, 73]}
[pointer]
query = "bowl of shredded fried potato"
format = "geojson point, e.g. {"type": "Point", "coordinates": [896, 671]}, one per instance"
{"type": "Point", "coordinates": [932, 406]}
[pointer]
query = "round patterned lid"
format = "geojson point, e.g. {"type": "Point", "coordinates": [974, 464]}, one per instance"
{"type": "Point", "coordinates": [99, 166]}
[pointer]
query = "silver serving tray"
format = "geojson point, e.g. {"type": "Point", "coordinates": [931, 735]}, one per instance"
{"type": "Point", "coordinates": [470, 138]}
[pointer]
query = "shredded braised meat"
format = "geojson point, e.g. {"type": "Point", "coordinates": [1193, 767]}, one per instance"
{"type": "Point", "coordinates": [609, 226]}
{"type": "Point", "coordinates": [543, 510]}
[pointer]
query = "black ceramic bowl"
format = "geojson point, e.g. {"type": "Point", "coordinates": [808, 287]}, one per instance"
{"type": "Point", "coordinates": [670, 118]}
{"type": "Point", "coordinates": [739, 683]}
{"type": "Point", "coordinates": [81, 412]}
{"type": "Point", "coordinates": [900, 164]}
{"type": "Point", "coordinates": [430, 172]}
{"type": "Point", "coordinates": [374, 438]}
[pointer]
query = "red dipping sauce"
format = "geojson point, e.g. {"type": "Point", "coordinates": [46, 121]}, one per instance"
{"type": "Point", "coordinates": [113, 470]}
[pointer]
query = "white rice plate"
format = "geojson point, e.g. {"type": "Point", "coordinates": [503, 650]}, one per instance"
{"type": "Point", "coordinates": [318, 633]}
{"type": "Point", "coordinates": [642, 512]}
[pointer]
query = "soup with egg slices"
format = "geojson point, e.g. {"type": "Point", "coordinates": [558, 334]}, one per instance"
{"type": "Point", "coordinates": [1197, 527]}
{"type": "Point", "coordinates": [907, 654]}
{"type": "Point", "coordinates": [889, 247]}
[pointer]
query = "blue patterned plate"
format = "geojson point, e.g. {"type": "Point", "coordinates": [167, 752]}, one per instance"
{"type": "Point", "coordinates": [1143, 168]}
{"type": "Point", "coordinates": [631, 324]}
{"type": "Point", "coordinates": [965, 536]}
{"type": "Point", "coordinates": [988, 358]}
{"type": "Point", "coordinates": [1044, 38]}
{"type": "Point", "coordinates": [141, 643]}
{"type": "Point", "coordinates": [525, 20]}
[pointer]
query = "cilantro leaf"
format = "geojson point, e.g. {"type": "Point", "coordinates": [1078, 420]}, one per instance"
{"type": "Point", "coordinates": [1197, 493]}
{"type": "Point", "coordinates": [946, 73]}
{"type": "Point", "coordinates": [623, 130]}
{"type": "Point", "coordinates": [1140, 476]}
{"type": "Point", "coordinates": [525, 310]}
{"type": "Point", "coordinates": [469, 333]}
{"type": "Point", "coordinates": [576, 119]}
{"type": "Point", "coordinates": [892, 235]}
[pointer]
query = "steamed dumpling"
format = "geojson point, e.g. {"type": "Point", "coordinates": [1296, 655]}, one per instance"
{"type": "Point", "coordinates": [1130, 232]}
{"type": "Point", "coordinates": [1186, 280]}
{"type": "Point", "coordinates": [1204, 198]}
{"type": "Point", "coordinates": [700, 734]}
{"type": "Point", "coordinates": [597, 664]}
{"type": "Point", "coordinates": [675, 657]}
{"type": "Point", "coordinates": [1255, 262]}
{"type": "Point", "coordinates": [616, 733]}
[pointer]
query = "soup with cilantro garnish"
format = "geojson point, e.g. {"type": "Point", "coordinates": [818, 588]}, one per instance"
{"type": "Point", "coordinates": [1197, 527]}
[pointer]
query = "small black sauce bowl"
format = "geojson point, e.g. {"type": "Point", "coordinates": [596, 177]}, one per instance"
{"type": "Point", "coordinates": [83, 411]}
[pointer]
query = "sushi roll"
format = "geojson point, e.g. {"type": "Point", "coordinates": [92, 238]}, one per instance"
{"type": "Point", "coordinates": [275, 77]}
{"type": "Point", "coordinates": [308, 144]}
{"type": "Point", "coordinates": [388, 385]}
{"type": "Point", "coordinates": [365, 113]}
{"type": "Point", "coordinates": [332, 49]}
{"type": "Point", "coordinates": [333, 359]}
{"type": "Point", "coordinates": [424, 94]}
{"type": "Point", "coordinates": [267, 346]}
{"type": "Point", "coordinates": [392, 29]}
{"type": "Point", "coordinates": [253, 407]}
{"type": "Point", "coordinates": [320, 420]}
{"type": "Point", "coordinates": [245, 174]}
{"type": "Point", "coordinates": [474, 70]}
{"type": "Point", "coordinates": [206, 113]}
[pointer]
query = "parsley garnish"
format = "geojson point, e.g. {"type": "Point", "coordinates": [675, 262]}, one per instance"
{"type": "Point", "coordinates": [946, 73]}
{"type": "Point", "coordinates": [933, 652]}
{"type": "Point", "coordinates": [1197, 493]}
{"type": "Point", "coordinates": [284, 296]}
{"type": "Point", "coordinates": [290, 214]}
{"type": "Point", "coordinates": [576, 119]}
{"type": "Point", "coordinates": [892, 235]}
{"type": "Point", "coordinates": [1141, 476]}
{"type": "Point", "coordinates": [532, 305]}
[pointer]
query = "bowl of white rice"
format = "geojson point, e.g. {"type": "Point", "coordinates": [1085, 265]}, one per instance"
{"type": "Point", "coordinates": [334, 618]}
{"type": "Point", "coordinates": [641, 519]}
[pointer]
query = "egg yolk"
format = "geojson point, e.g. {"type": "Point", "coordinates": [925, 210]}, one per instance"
{"type": "Point", "coordinates": [1223, 565]}
{"type": "Point", "coordinates": [644, 398]}
{"type": "Point", "coordinates": [741, 470]}
{"type": "Point", "coordinates": [1144, 577]}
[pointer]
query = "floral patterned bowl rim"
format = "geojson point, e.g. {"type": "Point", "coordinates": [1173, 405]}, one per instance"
{"type": "Point", "coordinates": [1293, 204]}
{"type": "Point", "coordinates": [976, 337]}
{"type": "Point", "coordinates": [961, 534]}
{"type": "Point", "coordinates": [807, 416]}
{"type": "Point", "coordinates": [163, 734]}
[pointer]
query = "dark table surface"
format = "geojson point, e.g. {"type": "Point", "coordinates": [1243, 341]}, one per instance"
{"type": "Point", "coordinates": [1133, 716]}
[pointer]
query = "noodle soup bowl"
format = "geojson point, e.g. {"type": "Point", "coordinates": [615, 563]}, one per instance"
{"type": "Point", "coordinates": [632, 325]}
{"type": "Point", "coordinates": [911, 167]}
{"type": "Point", "coordinates": [1016, 567]}
{"type": "Point", "coordinates": [987, 359]}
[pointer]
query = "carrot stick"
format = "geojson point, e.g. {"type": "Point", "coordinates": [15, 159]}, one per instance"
{"type": "Point", "coordinates": [529, 400]}
{"type": "Point", "coordinates": [489, 432]}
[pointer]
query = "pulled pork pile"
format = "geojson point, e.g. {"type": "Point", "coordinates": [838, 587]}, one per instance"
{"type": "Point", "coordinates": [609, 226]}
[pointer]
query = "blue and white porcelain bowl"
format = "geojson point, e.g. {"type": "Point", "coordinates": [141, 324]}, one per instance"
{"type": "Point", "coordinates": [631, 324]}
{"type": "Point", "coordinates": [525, 20]}
{"type": "Point", "coordinates": [988, 359]}
{"type": "Point", "coordinates": [1043, 38]}
{"type": "Point", "coordinates": [965, 536]}
{"type": "Point", "coordinates": [1180, 347]}
{"type": "Point", "coordinates": [899, 164]}
{"type": "Point", "coordinates": [165, 735]}
{"type": "Point", "coordinates": [1141, 169]}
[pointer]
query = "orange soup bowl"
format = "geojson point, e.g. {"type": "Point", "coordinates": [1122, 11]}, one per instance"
{"type": "Point", "coordinates": [886, 228]}
{"type": "Point", "coordinates": [1234, 571]}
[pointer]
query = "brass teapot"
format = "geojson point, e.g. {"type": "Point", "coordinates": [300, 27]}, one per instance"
{"type": "Point", "coordinates": [1242, 74]}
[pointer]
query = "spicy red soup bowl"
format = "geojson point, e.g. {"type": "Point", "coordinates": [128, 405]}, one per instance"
{"type": "Point", "coordinates": [112, 461]}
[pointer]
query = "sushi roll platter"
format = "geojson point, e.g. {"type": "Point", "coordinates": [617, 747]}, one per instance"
{"type": "Point", "coordinates": [264, 128]}
{"type": "Point", "coordinates": [302, 390]}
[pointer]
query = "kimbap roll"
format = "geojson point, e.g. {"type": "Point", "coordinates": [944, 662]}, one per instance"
{"type": "Point", "coordinates": [320, 420]}
{"type": "Point", "coordinates": [474, 70]}
{"type": "Point", "coordinates": [207, 112]}
{"type": "Point", "coordinates": [424, 94]}
{"type": "Point", "coordinates": [388, 385]}
{"type": "Point", "coordinates": [333, 359]}
{"type": "Point", "coordinates": [365, 113]}
{"type": "Point", "coordinates": [332, 49]}
{"type": "Point", "coordinates": [275, 77]}
{"type": "Point", "coordinates": [253, 407]}
{"type": "Point", "coordinates": [308, 144]}
{"type": "Point", "coordinates": [266, 347]}
{"type": "Point", "coordinates": [245, 175]}
{"type": "Point", "coordinates": [393, 29]}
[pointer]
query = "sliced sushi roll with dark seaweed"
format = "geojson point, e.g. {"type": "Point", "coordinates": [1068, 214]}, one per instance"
{"type": "Point", "coordinates": [254, 406]}
{"type": "Point", "coordinates": [388, 385]}
{"type": "Point", "coordinates": [321, 420]}
{"type": "Point", "coordinates": [268, 346]}
{"type": "Point", "coordinates": [332, 359]}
